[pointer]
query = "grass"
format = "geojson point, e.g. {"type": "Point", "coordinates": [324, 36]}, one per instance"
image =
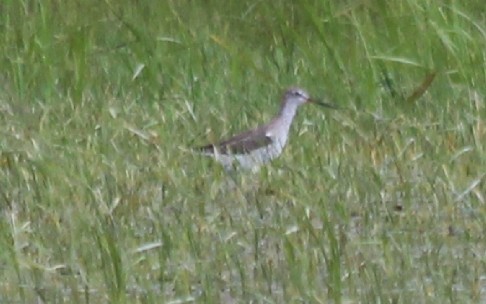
{"type": "Point", "coordinates": [101, 200]}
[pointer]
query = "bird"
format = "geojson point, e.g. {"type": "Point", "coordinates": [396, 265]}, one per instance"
{"type": "Point", "coordinates": [252, 149]}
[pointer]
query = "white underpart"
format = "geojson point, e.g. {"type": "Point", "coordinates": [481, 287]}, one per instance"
{"type": "Point", "coordinates": [254, 159]}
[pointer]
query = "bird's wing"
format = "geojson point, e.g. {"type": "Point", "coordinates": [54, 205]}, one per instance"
{"type": "Point", "coordinates": [240, 144]}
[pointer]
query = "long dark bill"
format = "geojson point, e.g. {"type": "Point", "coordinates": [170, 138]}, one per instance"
{"type": "Point", "coordinates": [323, 104]}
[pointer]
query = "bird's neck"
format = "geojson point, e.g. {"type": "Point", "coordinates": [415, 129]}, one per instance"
{"type": "Point", "coordinates": [287, 113]}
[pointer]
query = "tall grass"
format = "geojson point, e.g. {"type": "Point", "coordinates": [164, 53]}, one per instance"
{"type": "Point", "coordinates": [102, 200]}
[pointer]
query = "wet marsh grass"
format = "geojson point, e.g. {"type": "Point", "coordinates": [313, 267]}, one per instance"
{"type": "Point", "coordinates": [382, 201]}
